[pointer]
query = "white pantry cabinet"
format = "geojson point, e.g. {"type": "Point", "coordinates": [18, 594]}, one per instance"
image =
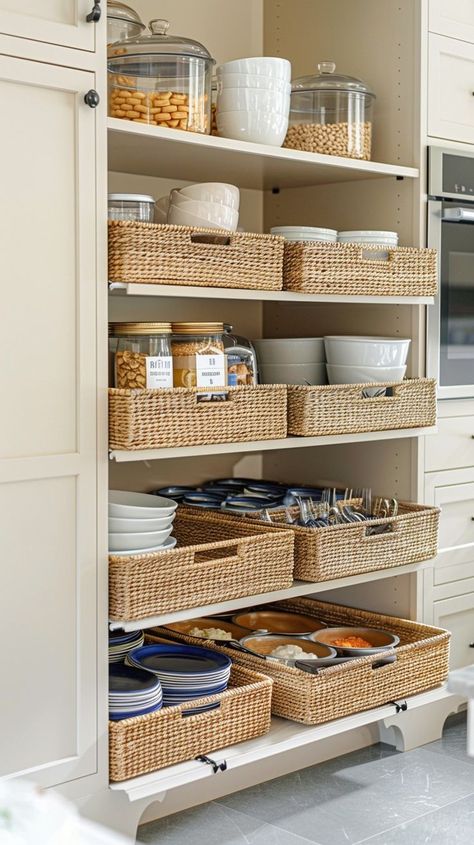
{"type": "Point", "coordinates": [450, 89]}
{"type": "Point", "coordinates": [454, 18]}
{"type": "Point", "coordinates": [457, 615]}
{"type": "Point", "coordinates": [62, 22]}
{"type": "Point", "coordinates": [48, 451]}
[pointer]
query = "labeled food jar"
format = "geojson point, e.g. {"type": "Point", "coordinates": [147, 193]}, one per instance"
{"type": "Point", "coordinates": [140, 207]}
{"type": "Point", "coordinates": [122, 22]}
{"type": "Point", "coordinates": [331, 114]}
{"type": "Point", "coordinates": [143, 355]}
{"type": "Point", "coordinates": [161, 80]}
{"type": "Point", "coordinates": [199, 358]}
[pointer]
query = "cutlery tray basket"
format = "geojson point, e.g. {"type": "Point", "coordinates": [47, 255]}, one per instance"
{"type": "Point", "coordinates": [172, 735]}
{"type": "Point", "coordinates": [359, 270]}
{"type": "Point", "coordinates": [317, 410]}
{"type": "Point", "coordinates": [161, 254]}
{"type": "Point", "coordinates": [157, 419]}
{"type": "Point", "coordinates": [422, 661]}
{"type": "Point", "coordinates": [213, 562]}
{"type": "Point", "coordinates": [340, 551]}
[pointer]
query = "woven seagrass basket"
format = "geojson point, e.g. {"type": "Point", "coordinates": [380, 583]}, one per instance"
{"type": "Point", "coordinates": [354, 270]}
{"type": "Point", "coordinates": [346, 409]}
{"type": "Point", "coordinates": [213, 562]}
{"type": "Point", "coordinates": [422, 660]}
{"type": "Point", "coordinates": [151, 253]}
{"type": "Point", "coordinates": [154, 419]}
{"type": "Point", "coordinates": [172, 735]}
{"type": "Point", "coordinates": [339, 551]}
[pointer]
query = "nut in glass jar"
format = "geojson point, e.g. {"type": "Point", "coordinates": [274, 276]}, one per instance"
{"type": "Point", "coordinates": [199, 358]}
{"type": "Point", "coordinates": [143, 357]}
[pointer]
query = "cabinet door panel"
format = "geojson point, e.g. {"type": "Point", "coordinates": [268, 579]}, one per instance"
{"type": "Point", "coordinates": [450, 89]}
{"type": "Point", "coordinates": [60, 22]}
{"type": "Point", "coordinates": [457, 616]}
{"type": "Point", "coordinates": [454, 18]}
{"type": "Point", "coordinates": [48, 430]}
{"type": "Point", "coordinates": [453, 446]}
{"type": "Point", "coordinates": [457, 511]}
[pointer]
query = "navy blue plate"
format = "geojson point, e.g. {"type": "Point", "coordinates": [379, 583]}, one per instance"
{"type": "Point", "coordinates": [117, 717]}
{"type": "Point", "coordinates": [124, 678]}
{"type": "Point", "coordinates": [179, 659]}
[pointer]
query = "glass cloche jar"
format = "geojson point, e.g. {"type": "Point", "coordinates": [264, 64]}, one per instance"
{"type": "Point", "coordinates": [331, 113]}
{"type": "Point", "coordinates": [161, 80]}
{"type": "Point", "coordinates": [122, 22]}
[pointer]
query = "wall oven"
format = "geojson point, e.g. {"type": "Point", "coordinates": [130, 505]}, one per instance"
{"type": "Point", "coordinates": [450, 338]}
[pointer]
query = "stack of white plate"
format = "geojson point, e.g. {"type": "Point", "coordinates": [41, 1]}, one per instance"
{"type": "Point", "coordinates": [185, 672]}
{"type": "Point", "coordinates": [294, 360]}
{"type": "Point", "coordinates": [121, 643]}
{"type": "Point", "coordinates": [132, 692]}
{"type": "Point", "coordinates": [369, 237]}
{"type": "Point", "coordinates": [140, 523]}
{"type": "Point", "coordinates": [253, 100]}
{"type": "Point", "coordinates": [306, 233]}
{"type": "Point", "coordinates": [360, 360]}
{"type": "Point", "coordinates": [213, 205]}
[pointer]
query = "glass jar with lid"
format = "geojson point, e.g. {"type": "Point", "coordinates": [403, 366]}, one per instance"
{"type": "Point", "coordinates": [199, 358]}
{"type": "Point", "coordinates": [143, 357]}
{"type": "Point", "coordinates": [331, 114]}
{"type": "Point", "coordinates": [161, 80]}
{"type": "Point", "coordinates": [122, 22]}
{"type": "Point", "coordinates": [138, 207]}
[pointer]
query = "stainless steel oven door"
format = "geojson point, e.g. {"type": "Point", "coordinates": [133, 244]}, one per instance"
{"type": "Point", "coordinates": [450, 336]}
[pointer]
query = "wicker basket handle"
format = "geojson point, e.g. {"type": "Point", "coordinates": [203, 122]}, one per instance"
{"type": "Point", "coordinates": [208, 239]}
{"type": "Point", "coordinates": [386, 537]}
{"type": "Point", "coordinates": [233, 552]}
{"type": "Point", "coordinates": [379, 256]}
{"type": "Point", "coordinates": [214, 710]}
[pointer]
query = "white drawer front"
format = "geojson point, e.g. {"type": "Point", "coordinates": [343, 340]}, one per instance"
{"type": "Point", "coordinates": [452, 17]}
{"type": "Point", "coordinates": [453, 446]}
{"type": "Point", "coordinates": [450, 89]}
{"type": "Point", "coordinates": [457, 616]}
{"type": "Point", "coordinates": [454, 565]}
{"type": "Point", "coordinates": [457, 515]}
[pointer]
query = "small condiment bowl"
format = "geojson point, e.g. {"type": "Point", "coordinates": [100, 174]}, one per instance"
{"type": "Point", "coordinates": [264, 644]}
{"type": "Point", "coordinates": [380, 640]}
{"type": "Point", "coordinates": [207, 622]}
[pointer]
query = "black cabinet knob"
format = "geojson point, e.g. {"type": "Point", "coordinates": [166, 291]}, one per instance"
{"type": "Point", "coordinates": [95, 13]}
{"type": "Point", "coordinates": [471, 645]}
{"type": "Point", "coordinates": [92, 99]}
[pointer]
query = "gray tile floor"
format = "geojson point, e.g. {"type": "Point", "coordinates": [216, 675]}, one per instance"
{"type": "Point", "coordinates": [375, 795]}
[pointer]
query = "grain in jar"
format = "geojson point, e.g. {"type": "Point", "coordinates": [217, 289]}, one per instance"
{"type": "Point", "coordinates": [199, 358]}
{"type": "Point", "coordinates": [161, 80]}
{"type": "Point", "coordinates": [331, 114]}
{"type": "Point", "coordinates": [143, 357]}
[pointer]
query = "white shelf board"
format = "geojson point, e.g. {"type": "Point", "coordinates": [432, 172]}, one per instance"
{"type": "Point", "coordinates": [126, 456]}
{"type": "Point", "coordinates": [284, 736]}
{"type": "Point", "coordinates": [154, 151]}
{"type": "Point", "coordinates": [125, 289]}
{"type": "Point", "coordinates": [299, 588]}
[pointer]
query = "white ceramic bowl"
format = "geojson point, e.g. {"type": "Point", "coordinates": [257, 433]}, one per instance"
{"type": "Point", "coordinates": [292, 373]}
{"type": "Point", "coordinates": [340, 374]}
{"type": "Point", "coordinates": [251, 80]}
{"type": "Point", "coordinates": [219, 192]}
{"type": "Point", "coordinates": [128, 505]}
{"type": "Point", "coordinates": [366, 351]}
{"type": "Point", "coordinates": [223, 214]}
{"type": "Point", "coordinates": [170, 543]}
{"type": "Point", "coordinates": [133, 526]}
{"type": "Point", "coordinates": [369, 233]}
{"type": "Point", "coordinates": [292, 350]}
{"type": "Point", "coordinates": [258, 127]}
{"type": "Point", "coordinates": [276, 68]}
{"type": "Point", "coordinates": [252, 99]}
{"type": "Point", "coordinates": [161, 210]}
{"type": "Point", "coordinates": [180, 216]}
{"type": "Point", "coordinates": [123, 542]}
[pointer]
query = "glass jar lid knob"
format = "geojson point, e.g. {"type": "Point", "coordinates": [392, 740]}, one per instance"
{"type": "Point", "coordinates": [159, 26]}
{"type": "Point", "coordinates": [327, 67]}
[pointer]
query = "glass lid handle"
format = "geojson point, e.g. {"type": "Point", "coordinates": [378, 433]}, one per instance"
{"type": "Point", "coordinates": [327, 67]}
{"type": "Point", "coordinates": [159, 26]}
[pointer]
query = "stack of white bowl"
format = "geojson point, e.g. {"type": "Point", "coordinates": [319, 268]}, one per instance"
{"type": "Point", "coordinates": [212, 205]}
{"type": "Point", "coordinates": [306, 233]}
{"type": "Point", "coordinates": [360, 360]}
{"type": "Point", "coordinates": [140, 523]}
{"type": "Point", "coordinates": [253, 100]}
{"type": "Point", "coordinates": [369, 237]}
{"type": "Point", "coordinates": [295, 360]}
